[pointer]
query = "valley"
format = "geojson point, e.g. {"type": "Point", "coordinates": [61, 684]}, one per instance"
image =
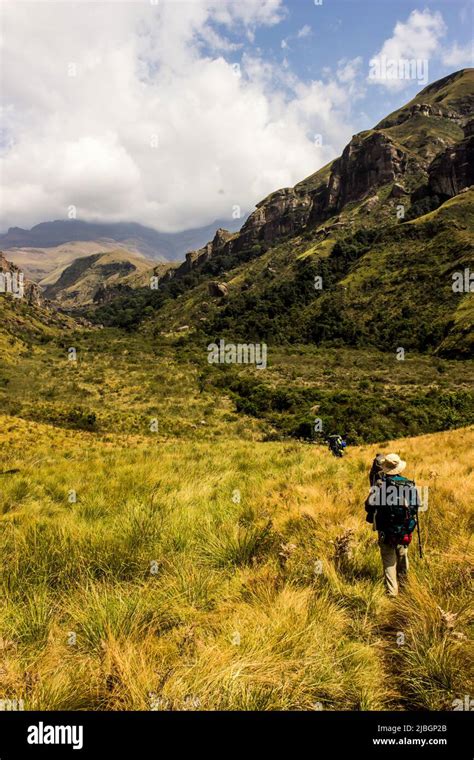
{"type": "Point", "coordinates": [175, 533]}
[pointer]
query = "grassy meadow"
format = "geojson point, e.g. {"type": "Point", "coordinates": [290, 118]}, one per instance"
{"type": "Point", "coordinates": [189, 573]}
{"type": "Point", "coordinates": [121, 382]}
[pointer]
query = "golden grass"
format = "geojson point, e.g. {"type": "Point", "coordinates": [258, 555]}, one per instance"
{"type": "Point", "coordinates": [159, 588]}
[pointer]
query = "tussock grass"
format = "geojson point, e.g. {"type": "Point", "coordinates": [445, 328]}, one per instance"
{"type": "Point", "coordinates": [155, 589]}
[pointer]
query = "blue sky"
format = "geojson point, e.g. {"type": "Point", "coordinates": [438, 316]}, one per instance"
{"type": "Point", "coordinates": [176, 113]}
{"type": "Point", "coordinates": [347, 29]}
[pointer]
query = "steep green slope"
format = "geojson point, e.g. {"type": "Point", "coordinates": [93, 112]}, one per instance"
{"type": "Point", "coordinates": [386, 288]}
{"type": "Point", "coordinates": [400, 291]}
{"type": "Point", "coordinates": [450, 95]}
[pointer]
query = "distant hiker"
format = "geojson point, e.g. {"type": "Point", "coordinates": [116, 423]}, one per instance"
{"type": "Point", "coordinates": [376, 473]}
{"type": "Point", "coordinates": [392, 508]}
{"type": "Point", "coordinates": [336, 445]}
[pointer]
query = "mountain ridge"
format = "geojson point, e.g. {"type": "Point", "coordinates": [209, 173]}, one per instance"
{"type": "Point", "coordinates": [371, 159]}
{"type": "Point", "coordinates": [350, 216]}
{"type": "Point", "coordinates": [145, 240]}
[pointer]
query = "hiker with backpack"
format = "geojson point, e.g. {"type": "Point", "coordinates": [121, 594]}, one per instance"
{"type": "Point", "coordinates": [392, 508]}
{"type": "Point", "coordinates": [336, 445]}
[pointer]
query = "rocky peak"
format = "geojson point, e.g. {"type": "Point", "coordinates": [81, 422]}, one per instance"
{"type": "Point", "coordinates": [221, 237]}
{"type": "Point", "coordinates": [366, 163]}
{"type": "Point", "coordinates": [196, 258]}
{"type": "Point", "coordinates": [371, 160]}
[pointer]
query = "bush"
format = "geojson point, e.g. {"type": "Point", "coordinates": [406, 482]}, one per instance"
{"type": "Point", "coordinates": [368, 417]}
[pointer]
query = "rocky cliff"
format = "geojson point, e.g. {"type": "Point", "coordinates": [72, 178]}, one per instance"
{"type": "Point", "coordinates": [453, 170]}
{"type": "Point", "coordinates": [425, 146]}
{"type": "Point", "coordinates": [368, 162]}
{"type": "Point", "coordinates": [360, 253]}
{"type": "Point", "coordinates": [197, 258]}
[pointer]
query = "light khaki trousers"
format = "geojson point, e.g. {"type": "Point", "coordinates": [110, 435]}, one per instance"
{"type": "Point", "coordinates": [395, 565]}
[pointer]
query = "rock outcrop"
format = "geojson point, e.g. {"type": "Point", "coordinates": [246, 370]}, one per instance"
{"type": "Point", "coordinates": [197, 258]}
{"type": "Point", "coordinates": [14, 283]}
{"type": "Point", "coordinates": [217, 289]}
{"type": "Point", "coordinates": [366, 163]}
{"type": "Point", "coordinates": [453, 170]}
{"type": "Point", "coordinates": [420, 109]}
{"type": "Point", "coordinates": [371, 160]}
{"type": "Point", "coordinates": [284, 212]}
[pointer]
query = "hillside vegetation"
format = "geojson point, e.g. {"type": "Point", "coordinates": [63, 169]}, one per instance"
{"type": "Point", "coordinates": [120, 382]}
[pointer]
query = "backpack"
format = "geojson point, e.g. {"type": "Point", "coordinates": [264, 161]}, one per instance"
{"type": "Point", "coordinates": [397, 514]}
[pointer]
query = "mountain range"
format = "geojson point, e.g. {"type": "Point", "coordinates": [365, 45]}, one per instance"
{"type": "Point", "coordinates": [165, 246]}
{"type": "Point", "coordinates": [364, 251]}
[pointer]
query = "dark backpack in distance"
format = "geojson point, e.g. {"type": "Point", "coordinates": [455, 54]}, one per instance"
{"type": "Point", "coordinates": [336, 445]}
{"type": "Point", "coordinates": [397, 514]}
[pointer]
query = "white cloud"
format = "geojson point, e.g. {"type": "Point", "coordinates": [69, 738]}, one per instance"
{"type": "Point", "coordinates": [305, 31]}
{"type": "Point", "coordinates": [458, 56]}
{"type": "Point", "coordinates": [348, 69]}
{"type": "Point", "coordinates": [150, 74]}
{"type": "Point", "coordinates": [348, 73]}
{"type": "Point", "coordinates": [416, 41]}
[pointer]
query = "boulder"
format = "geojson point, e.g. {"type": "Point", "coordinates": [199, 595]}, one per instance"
{"type": "Point", "coordinates": [370, 203]}
{"type": "Point", "coordinates": [218, 289]}
{"type": "Point", "coordinates": [398, 191]}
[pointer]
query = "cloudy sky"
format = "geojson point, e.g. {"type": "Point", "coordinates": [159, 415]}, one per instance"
{"type": "Point", "coordinates": [174, 113]}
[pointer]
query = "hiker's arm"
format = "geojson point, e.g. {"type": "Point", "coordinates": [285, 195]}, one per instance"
{"type": "Point", "coordinates": [372, 501]}
{"type": "Point", "coordinates": [369, 508]}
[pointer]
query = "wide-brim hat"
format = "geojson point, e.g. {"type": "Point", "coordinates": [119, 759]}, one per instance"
{"type": "Point", "coordinates": [393, 465]}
